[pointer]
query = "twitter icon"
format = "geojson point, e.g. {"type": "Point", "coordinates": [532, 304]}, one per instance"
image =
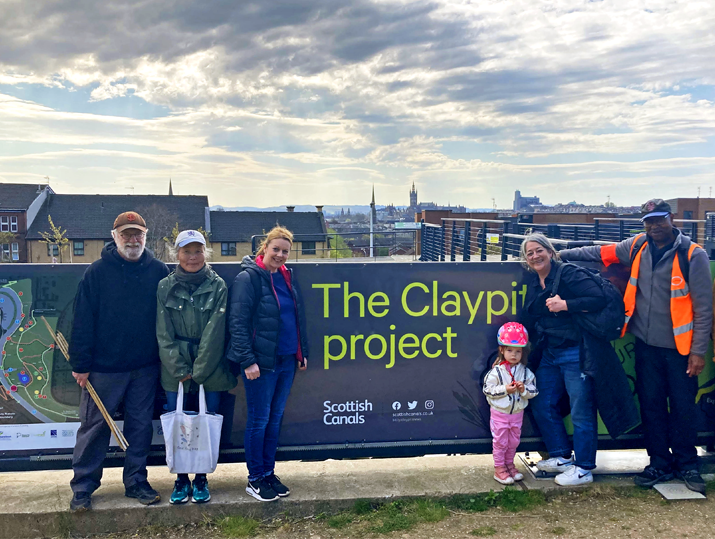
{"type": "Point", "coordinates": [412, 405]}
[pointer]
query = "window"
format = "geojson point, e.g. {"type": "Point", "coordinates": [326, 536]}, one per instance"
{"type": "Point", "coordinates": [4, 224]}
{"type": "Point", "coordinates": [53, 250]}
{"type": "Point", "coordinates": [13, 223]}
{"type": "Point", "coordinates": [308, 247]}
{"type": "Point", "coordinates": [687, 214]}
{"type": "Point", "coordinates": [78, 248]}
{"type": "Point", "coordinates": [228, 248]}
{"type": "Point", "coordinates": [5, 254]}
{"type": "Point", "coordinates": [15, 252]}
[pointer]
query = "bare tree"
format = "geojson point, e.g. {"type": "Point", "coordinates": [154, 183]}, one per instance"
{"type": "Point", "coordinates": [160, 222]}
{"type": "Point", "coordinates": [56, 236]}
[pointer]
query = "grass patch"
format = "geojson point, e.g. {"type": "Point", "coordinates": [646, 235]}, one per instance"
{"type": "Point", "coordinates": [483, 531]}
{"type": "Point", "coordinates": [237, 526]}
{"type": "Point", "coordinates": [341, 520]}
{"type": "Point", "coordinates": [558, 530]}
{"type": "Point", "coordinates": [431, 511]}
{"type": "Point", "coordinates": [710, 486]}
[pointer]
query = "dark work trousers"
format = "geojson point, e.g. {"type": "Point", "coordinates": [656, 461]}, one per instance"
{"type": "Point", "coordinates": [137, 389]}
{"type": "Point", "coordinates": [661, 383]}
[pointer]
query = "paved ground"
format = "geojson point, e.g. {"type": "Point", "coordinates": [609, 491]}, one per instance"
{"type": "Point", "coordinates": [35, 504]}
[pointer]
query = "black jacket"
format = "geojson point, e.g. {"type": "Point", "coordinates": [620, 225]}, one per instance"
{"type": "Point", "coordinates": [597, 358]}
{"type": "Point", "coordinates": [559, 330]}
{"type": "Point", "coordinates": [114, 327]}
{"type": "Point", "coordinates": [254, 318]}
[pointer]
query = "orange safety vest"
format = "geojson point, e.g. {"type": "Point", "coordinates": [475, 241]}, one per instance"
{"type": "Point", "coordinates": [681, 304]}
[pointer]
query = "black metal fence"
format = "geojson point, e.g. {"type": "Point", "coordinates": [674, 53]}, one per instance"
{"type": "Point", "coordinates": [483, 239]}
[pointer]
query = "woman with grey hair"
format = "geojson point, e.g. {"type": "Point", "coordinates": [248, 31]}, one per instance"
{"type": "Point", "coordinates": [190, 327]}
{"type": "Point", "coordinates": [556, 358]}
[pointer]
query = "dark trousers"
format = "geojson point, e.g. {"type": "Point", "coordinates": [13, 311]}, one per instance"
{"type": "Point", "coordinates": [662, 384]}
{"type": "Point", "coordinates": [266, 398]}
{"type": "Point", "coordinates": [137, 390]}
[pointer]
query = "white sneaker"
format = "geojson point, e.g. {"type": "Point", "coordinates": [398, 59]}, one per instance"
{"type": "Point", "coordinates": [574, 476]}
{"type": "Point", "coordinates": [554, 464]}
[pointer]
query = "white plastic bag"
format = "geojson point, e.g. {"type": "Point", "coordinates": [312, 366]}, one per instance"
{"type": "Point", "coordinates": [192, 441]}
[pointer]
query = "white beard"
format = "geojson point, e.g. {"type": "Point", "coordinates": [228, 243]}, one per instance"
{"type": "Point", "coordinates": [132, 251]}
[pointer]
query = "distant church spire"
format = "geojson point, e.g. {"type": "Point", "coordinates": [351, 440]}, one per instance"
{"type": "Point", "coordinates": [171, 191]}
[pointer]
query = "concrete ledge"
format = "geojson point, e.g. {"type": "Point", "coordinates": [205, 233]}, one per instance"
{"type": "Point", "coordinates": [36, 504]}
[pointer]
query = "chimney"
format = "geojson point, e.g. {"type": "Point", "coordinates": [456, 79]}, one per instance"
{"type": "Point", "coordinates": [319, 208]}
{"type": "Point", "coordinates": [290, 209]}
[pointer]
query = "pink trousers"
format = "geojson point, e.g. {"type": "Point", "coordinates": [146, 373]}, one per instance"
{"type": "Point", "coordinates": [506, 432]}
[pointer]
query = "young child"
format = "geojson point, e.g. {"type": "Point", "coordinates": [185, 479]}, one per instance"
{"type": "Point", "coordinates": [508, 387]}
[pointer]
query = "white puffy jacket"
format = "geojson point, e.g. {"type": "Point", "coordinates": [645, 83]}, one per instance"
{"type": "Point", "coordinates": [495, 383]}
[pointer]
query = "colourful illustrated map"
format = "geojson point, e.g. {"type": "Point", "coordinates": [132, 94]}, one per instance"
{"type": "Point", "coordinates": [26, 367]}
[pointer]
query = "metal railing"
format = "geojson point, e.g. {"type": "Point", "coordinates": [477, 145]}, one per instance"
{"type": "Point", "coordinates": [480, 239]}
{"type": "Point", "coordinates": [386, 244]}
{"type": "Point", "coordinates": [462, 239]}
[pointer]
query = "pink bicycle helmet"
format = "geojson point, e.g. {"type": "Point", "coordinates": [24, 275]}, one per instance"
{"type": "Point", "coordinates": [513, 334]}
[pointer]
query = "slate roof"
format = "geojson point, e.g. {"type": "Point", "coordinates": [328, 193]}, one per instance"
{"type": "Point", "coordinates": [90, 217]}
{"type": "Point", "coordinates": [239, 226]}
{"type": "Point", "coordinates": [18, 196]}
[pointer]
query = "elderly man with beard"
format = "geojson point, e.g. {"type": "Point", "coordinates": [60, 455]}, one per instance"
{"type": "Point", "coordinates": [114, 346]}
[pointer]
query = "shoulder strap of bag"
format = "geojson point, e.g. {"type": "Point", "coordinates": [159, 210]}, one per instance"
{"type": "Point", "coordinates": [557, 279]}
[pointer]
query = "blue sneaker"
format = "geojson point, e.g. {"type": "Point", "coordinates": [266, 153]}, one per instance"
{"type": "Point", "coordinates": [201, 490]}
{"type": "Point", "coordinates": [182, 491]}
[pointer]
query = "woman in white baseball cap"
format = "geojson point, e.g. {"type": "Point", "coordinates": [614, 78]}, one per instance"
{"type": "Point", "coordinates": [191, 324]}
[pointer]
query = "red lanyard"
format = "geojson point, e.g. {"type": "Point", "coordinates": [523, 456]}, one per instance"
{"type": "Point", "coordinates": [507, 365]}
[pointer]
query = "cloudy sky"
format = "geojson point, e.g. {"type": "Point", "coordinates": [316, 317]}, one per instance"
{"type": "Point", "coordinates": [313, 101]}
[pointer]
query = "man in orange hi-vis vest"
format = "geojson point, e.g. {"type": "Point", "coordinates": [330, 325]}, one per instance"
{"type": "Point", "coordinates": [669, 310]}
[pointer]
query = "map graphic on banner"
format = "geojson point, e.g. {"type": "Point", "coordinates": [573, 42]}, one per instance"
{"type": "Point", "coordinates": [28, 362]}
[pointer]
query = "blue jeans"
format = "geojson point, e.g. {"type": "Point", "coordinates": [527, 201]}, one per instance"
{"type": "Point", "coordinates": [266, 398]}
{"type": "Point", "coordinates": [559, 372]}
{"type": "Point", "coordinates": [213, 399]}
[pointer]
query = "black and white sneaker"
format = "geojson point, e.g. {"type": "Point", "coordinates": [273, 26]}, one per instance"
{"type": "Point", "coordinates": [261, 490]}
{"type": "Point", "coordinates": [275, 483]}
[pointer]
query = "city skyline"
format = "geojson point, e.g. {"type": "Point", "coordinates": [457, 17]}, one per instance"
{"type": "Point", "coordinates": [313, 102]}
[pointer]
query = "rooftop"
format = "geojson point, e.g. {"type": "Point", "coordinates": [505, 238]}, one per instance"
{"type": "Point", "coordinates": [240, 226]}
{"type": "Point", "coordinates": [92, 216]}
{"type": "Point", "coordinates": [19, 196]}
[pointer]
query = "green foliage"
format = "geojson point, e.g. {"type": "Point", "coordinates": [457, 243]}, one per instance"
{"type": "Point", "coordinates": [56, 236]}
{"type": "Point", "coordinates": [238, 526]}
{"type": "Point", "coordinates": [364, 507]}
{"type": "Point", "coordinates": [431, 511]}
{"type": "Point", "coordinates": [338, 247]}
{"type": "Point", "coordinates": [340, 520]}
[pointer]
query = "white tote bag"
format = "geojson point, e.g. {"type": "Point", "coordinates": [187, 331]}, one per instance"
{"type": "Point", "coordinates": [192, 440]}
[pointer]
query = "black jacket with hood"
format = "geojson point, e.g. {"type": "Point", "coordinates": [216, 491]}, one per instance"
{"type": "Point", "coordinates": [254, 317]}
{"type": "Point", "coordinates": [114, 328]}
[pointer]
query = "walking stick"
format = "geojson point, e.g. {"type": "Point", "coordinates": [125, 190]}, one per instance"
{"type": "Point", "coordinates": [64, 348]}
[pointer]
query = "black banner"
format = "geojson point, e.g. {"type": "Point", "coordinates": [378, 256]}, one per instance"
{"type": "Point", "coordinates": [397, 355]}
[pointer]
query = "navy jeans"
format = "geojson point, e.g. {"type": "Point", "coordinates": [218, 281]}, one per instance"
{"type": "Point", "coordinates": [559, 372]}
{"type": "Point", "coordinates": [266, 398]}
{"type": "Point", "coordinates": [213, 399]}
{"type": "Point", "coordinates": [667, 398]}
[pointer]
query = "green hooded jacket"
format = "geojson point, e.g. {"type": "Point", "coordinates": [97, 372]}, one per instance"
{"type": "Point", "coordinates": [199, 322]}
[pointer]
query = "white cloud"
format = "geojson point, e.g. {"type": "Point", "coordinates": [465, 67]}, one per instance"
{"type": "Point", "coordinates": [475, 97]}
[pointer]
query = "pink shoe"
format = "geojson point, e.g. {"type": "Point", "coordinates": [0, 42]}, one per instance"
{"type": "Point", "coordinates": [502, 475]}
{"type": "Point", "coordinates": [514, 473]}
